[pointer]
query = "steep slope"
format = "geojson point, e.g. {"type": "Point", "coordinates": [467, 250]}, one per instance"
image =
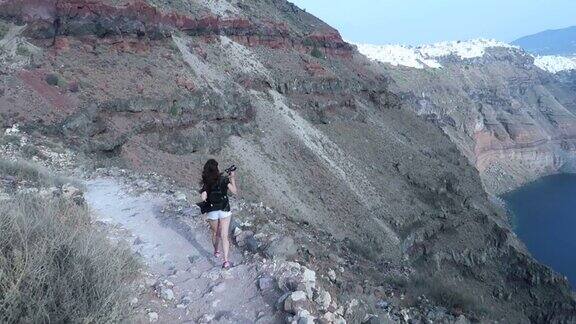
{"type": "Point", "coordinates": [311, 123]}
{"type": "Point", "coordinates": [512, 119]}
{"type": "Point", "coordinates": [550, 42]}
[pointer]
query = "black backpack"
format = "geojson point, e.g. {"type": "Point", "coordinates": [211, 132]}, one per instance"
{"type": "Point", "coordinates": [218, 196]}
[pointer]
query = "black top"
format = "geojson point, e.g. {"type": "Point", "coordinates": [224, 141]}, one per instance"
{"type": "Point", "coordinates": [223, 182]}
{"type": "Point", "coordinates": [224, 179]}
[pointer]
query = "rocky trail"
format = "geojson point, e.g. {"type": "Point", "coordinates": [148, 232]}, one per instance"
{"type": "Point", "coordinates": [184, 282]}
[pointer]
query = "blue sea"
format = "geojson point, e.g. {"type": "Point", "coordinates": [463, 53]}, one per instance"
{"type": "Point", "coordinates": [544, 218]}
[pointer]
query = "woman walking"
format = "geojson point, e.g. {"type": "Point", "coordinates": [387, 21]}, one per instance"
{"type": "Point", "coordinates": [215, 187]}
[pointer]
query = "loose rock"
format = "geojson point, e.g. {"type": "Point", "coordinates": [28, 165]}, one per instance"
{"type": "Point", "coordinates": [167, 294]}
{"type": "Point", "coordinates": [153, 316]}
{"type": "Point", "coordinates": [282, 248]}
{"type": "Point", "coordinates": [296, 302]}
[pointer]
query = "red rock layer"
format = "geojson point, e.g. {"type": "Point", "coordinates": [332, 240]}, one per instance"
{"type": "Point", "coordinates": [139, 17]}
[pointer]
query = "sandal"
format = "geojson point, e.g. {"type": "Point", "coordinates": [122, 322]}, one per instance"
{"type": "Point", "coordinates": [226, 265]}
{"type": "Point", "coordinates": [217, 254]}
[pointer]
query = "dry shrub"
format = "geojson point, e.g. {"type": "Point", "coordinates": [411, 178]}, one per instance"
{"type": "Point", "coordinates": [33, 173]}
{"type": "Point", "coordinates": [55, 268]}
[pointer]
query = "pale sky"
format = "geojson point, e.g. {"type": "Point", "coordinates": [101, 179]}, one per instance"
{"type": "Point", "coordinates": [426, 21]}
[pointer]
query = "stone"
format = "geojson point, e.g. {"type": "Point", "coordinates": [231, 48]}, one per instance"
{"type": "Point", "coordinates": [242, 237]}
{"type": "Point", "coordinates": [266, 319]}
{"type": "Point", "coordinates": [186, 300]}
{"type": "Point", "coordinates": [151, 282]}
{"type": "Point", "coordinates": [180, 196]}
{"type": "Point", "coordinates": [281, 300]}
{"type": "Point", "coordinates": [167, 294]}
{"type": "Point", "coordinates": [153, 316]}
{"type": "Point", "coordinates": [327, 318]}
{"type": "Point", "coordinates": [73, 87]}
{"type": "Point", "coordinates": [71, 192]}
{"type": "Point", "coordinates": [206, 318]}
{"type": "Point", "coordinates": [252, 244]}
{"type": "Point", "coordinates": [233, 225]}
{"type": "Point", "coordinates": [462, 320]}
{"type": "Point", "coordinates": [323, 299]}
{"type": "Point", "coordinates": [339, 310]}
{"type": "Point", "coordinates": [143, 184]}
{"type": "Point", "coordinates": [382, 304]}
{"type": "Point", "coordinates": [265, 283]}
{"type": "Point", "coordinates": [133, 301]}
{"type": "Point", "coordinates": [351, 306]}
{"type": "Point", "coordinates": [221, 287]}
{"type": "Point", "coordinates": [296, 302]}
{"type": "Point", "coordinates": [293, 265]}
{"type": "Point", "coordinates": [309, 275]}
{"type": "Point", "coordinates": [339, 320]}
{"type": "Point", "coordinates": [307, 282]}
{"type": "Point", "coordinates": [304, 317]}
{"type": "Point", "coordinates": [372, 319]}
{"type": "Point", "coordinates": [282, 248]}
{"type": "Point", "coordinates": [332, 275]}
{"type": "Point", "coordinates": [331, 318]}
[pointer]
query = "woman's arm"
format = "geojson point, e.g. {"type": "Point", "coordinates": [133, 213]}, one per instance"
{"type": "Point", "coordinates": [232, 185]}
{"type": "Point", "coordinates": [204, 195]}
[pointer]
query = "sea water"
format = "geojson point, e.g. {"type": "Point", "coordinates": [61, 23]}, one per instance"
{"type": "Point", "coordinates": [544, 218]}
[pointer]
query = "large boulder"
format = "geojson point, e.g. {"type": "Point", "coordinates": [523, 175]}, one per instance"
{"type": "Point", "coordinates": [282, 248]}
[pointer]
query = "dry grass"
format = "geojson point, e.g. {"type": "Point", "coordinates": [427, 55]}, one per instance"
{"type": "Point", "coordinates": [55, 268]}
{"type": "Point", "coordinates": [35, 174]}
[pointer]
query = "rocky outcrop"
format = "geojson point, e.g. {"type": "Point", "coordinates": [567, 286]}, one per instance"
{"type": "Point", "coordinates": [48, 19]}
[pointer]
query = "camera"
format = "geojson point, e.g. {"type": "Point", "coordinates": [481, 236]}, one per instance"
{"type": "Point", "coordinates": [231, 169]}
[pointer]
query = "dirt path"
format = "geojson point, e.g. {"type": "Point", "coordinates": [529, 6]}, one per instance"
{"type": "Point", "coordinates": [185, 283]}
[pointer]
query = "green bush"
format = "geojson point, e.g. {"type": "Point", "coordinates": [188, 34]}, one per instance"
{"type": "Point", "coordinates": [3, 30]}
{"type": "Point", "coordinates": [317, 53]}
{"type": "Point", "coordinates": [9, 139]}
{"type": "Point", "coordinates": [29, 151]}
{"type": "Point", "coordinates": [23, 50]}
{"type": "Point", "coordinates": [52, 79]}
{"type": "Point", "coordinates": [175, 109]}
{"type": "Point", "coordinates": [55, 269]}
{"type": "Point", "coordinates": [309, 42]}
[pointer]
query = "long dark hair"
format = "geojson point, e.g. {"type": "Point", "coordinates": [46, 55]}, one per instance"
{"type": "Point", "coordinates": [210, 174]}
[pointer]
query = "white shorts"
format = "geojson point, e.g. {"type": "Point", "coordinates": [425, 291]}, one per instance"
{"type": "Point", "coordinates": [218, 214]}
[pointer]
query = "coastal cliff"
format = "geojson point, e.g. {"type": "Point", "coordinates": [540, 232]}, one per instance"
{"type": "Point", "coordinates": [513, 120]}
{"type": "Point", "coordinates": [358, 179]}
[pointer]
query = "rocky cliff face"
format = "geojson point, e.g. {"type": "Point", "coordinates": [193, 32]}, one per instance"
{"type": "Point", "coordinates": [514, 121]}
{"type": "Point", "coordinates": [370, 186]}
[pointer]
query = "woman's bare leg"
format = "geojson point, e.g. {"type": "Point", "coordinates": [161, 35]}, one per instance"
{"type": "Point", "coordinates": [224, 226]}
{"type": "Point", "coordinates": [215, 234]}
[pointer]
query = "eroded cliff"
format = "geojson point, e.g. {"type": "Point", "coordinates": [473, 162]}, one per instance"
{"type": "Point", "coordinates": [514, 121]}
{"type": "Point", "coordinates": [160, 86]}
